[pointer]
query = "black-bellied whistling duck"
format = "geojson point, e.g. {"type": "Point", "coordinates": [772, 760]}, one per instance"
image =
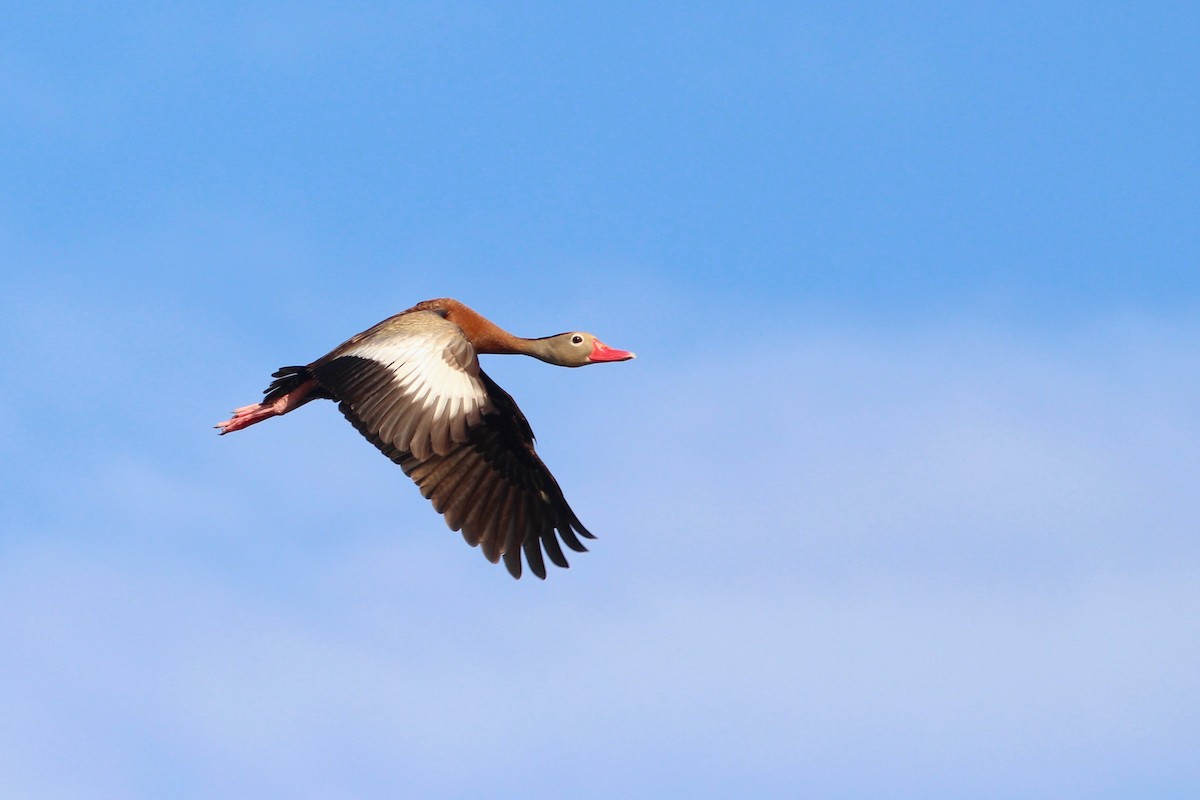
{"type": "Point", "coordinates": [412, 385]}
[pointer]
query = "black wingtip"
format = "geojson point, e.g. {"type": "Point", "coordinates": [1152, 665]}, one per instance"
{"type": "Point", "coordinates": [512, 562]}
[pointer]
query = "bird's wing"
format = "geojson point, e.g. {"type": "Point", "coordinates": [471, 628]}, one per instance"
{"type": "Point", "coordinates": [412, 383]}
{"type": "Point", "coordinates": [494, 488]}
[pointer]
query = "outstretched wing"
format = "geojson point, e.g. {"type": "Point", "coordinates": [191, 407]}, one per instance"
{"type": "Point", "coordinates": [416, 392]}
{"type": "Point", "coordinates": [412, 381]}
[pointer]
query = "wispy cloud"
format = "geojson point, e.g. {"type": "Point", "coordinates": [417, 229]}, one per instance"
{"type": "Point", "coordinates": [857, 564]}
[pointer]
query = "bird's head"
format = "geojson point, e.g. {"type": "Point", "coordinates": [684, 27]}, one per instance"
{"type": "Point", "coordinates": [578, 349]}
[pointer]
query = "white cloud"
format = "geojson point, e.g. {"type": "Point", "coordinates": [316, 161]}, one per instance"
{"type": "Point", "coordinates": [852, 567]}
{"type": "Point", "coordinates": [848, 689]}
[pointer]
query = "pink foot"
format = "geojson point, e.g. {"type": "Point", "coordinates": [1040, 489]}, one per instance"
{"type": "Point", "coordinates": [246, 416]}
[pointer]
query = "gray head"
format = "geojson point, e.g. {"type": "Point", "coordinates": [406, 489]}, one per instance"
{"type": "Point", "coordinates": [576, 349]}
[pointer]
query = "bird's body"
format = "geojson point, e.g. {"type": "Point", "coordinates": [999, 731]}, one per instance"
{"type": "Point", "coordinates": [413, 387]}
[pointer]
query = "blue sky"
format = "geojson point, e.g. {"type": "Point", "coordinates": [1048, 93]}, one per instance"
{"type": "Point", "coordinates": [898, 499]}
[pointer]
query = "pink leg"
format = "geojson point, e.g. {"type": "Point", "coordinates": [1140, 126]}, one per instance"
{"type": "Point", "coordinates": [246, 416]}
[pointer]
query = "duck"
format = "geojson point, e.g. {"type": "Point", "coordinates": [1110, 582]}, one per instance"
{"type": "Point", "coordinates": [413, 387]}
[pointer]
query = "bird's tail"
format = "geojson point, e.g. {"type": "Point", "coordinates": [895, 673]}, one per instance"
{"type": "Point", "coordinates": [287, 380]}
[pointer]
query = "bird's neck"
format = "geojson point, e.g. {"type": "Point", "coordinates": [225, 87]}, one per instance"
{"type": "Point", "coordinates": [486, 336]}
{"type": "Point", "coordinates": [496, 340]}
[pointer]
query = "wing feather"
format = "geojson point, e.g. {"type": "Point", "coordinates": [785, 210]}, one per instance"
{"type": "Point", "coordinates": [400, 377]}
{"type": "Point", "coordinates": [499, 493]}
{"type": "Point", "coordinates": [412, 386]}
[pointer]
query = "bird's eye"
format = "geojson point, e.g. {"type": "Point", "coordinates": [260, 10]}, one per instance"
{"type": "Point", "coordinates": [577, 339]}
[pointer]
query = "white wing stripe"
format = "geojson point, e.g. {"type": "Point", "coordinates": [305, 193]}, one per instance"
{"type": "Point", "coordinates": [437, 398]}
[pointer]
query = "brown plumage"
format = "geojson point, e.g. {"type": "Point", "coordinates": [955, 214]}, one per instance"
{"type": "Point", "coordinates": [413, 387]}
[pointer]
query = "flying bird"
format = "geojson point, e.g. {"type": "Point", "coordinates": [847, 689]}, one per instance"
{"type": "Point", "coordinates": [413, 387]}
